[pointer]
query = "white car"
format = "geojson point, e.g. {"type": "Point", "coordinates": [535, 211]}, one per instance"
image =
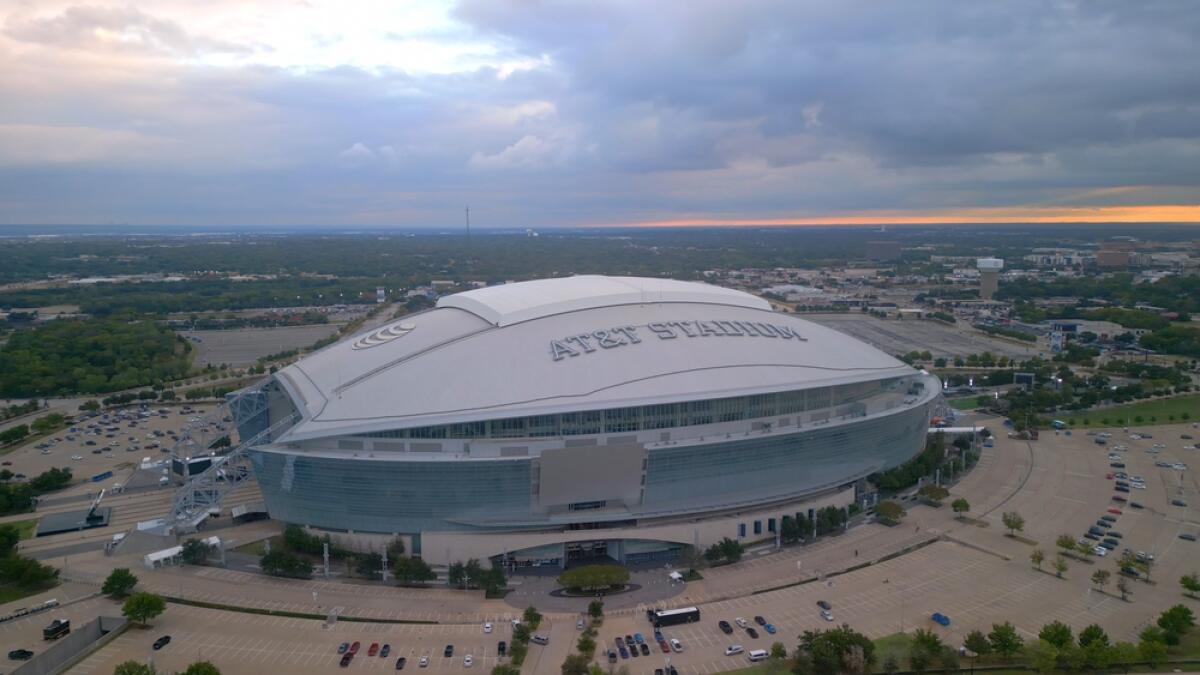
{"type": "Point", "coordinates": [468, 661]}
{"type": "Point", "coordinates": [1179, 466]}
{"type": "Point", "coordinates": [676, 645]}
{"type": "Point", "coordinates": [487, 627]}
{"type": "Point", "coordinates": [424, 662]}
{"type": "Point", "coordinates": [1137, 479]}
{"type": "Point", "coordinates": [827, 615]}
{"type": "Point", "coordinates": [740, 622]}
{"type": "Point", "coordinates": [77, 457]}
{"type": "Point", "coordinates": [1100, 551]}
{"type": "Point", "coordinates": [733, 649]}
{"type": "Point", "coordinates": [1138, 486]}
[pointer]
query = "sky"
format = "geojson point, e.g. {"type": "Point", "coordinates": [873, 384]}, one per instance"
{"type": "Point", "coordinates": [540, 113]}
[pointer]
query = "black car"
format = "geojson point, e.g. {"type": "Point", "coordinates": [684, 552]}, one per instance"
{"type": "Point", "coordinates": [824, 605]}
{"type": "Point", "coordinates": [1109, 517]}
{"type": "Point", "coordinates": [1110, 544]}
{"type": "Point", "coordinates": [1115, 535]}
{"type": "Point", "coordinates": [633, 649]}
{"type": "Point", "coordinates": [1093, 536]}
{"type": "Point", "coordinates": [384, 651]}
{"type": "Point", "coordinates": [343, 647]}
{"type": "Point", "coordinates": [725, 627]}
{"type": "Point", "coordinates": [612, 656]}
{"type": "Point", "coordinates": [1117, 465]}
{"type": "Point", "coordinates": [448, 651]}
{"type": "Point", "coordinates": [1178, 502]}
{"type": "Point", "coordinates": [501, 648]}
{"type": "Point", "coordinates": [162, 642]}
{"type": "Point", "coordinates": [751, 632]}
{"type": "Point", "coordinates": [1121, 488]}
{"type": "Point", "coordinates": [20, 655]}
{"type": "Point", "coordinates": [1103, 523]}
{"type": "Point", "coordinates": [346, 659]}
{"type": "Point", "coordinates": [1136, 505]}
{"type": "Point", "coordinates": [400, 663]}
{"type": "Point", "coordinates": [1188, 536]}
{"type": "Point", "coordinates": [760, 621]}
{"type": "Point", "coordinates": [671, 671]}
{"type": "Point", "coordinates": [645, 649]}
{"type": "Point", "coordinates": [1119, 498]}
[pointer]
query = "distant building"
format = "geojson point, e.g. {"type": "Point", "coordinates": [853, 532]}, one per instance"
{"type": "Point", "coordinates": [883, 250]}
{"type": "Point", "coordinates": [1112, 259]}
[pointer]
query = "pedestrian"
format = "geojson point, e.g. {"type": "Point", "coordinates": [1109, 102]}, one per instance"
{"type": "Point", "coordinates": [855, 553]}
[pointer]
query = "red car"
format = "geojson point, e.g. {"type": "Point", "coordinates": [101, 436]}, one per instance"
{"type": "Point", "coordinates": [665, 647]}
{"type": "Point", "coordinates": [1115, 511]}
{"type": "Point", "coordinates": [374, 649]}
{"type": "Point", "coordinates": [1109, 476]}
{"type": "Point", "coordinates": [353, 648]}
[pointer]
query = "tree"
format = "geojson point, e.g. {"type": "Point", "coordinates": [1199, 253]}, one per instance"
{"type": "Point", "coordinates": [506, 669]}
{"type": "Point", "coordinates": [960, 507]}
{"type": "Point", "coordinates": [918, 660]}
{"type": "Point", "coordinates": [1004, 640]}
{"type": "Point", "coordinates": [9, 537]}
{"type": "Point", "coordinates": [1036, 556]}
{"type": "Point", "coordinates": [195, 552]}
{"type": "Point", "coordinates": [789, 530]}
{"type": "Point", "coordinates": [532, 617]}
{"type": "Point", "coordinates": [927, 640]}
{"type": "Point", "coordinates": [493, 581]}
{"type": "Point", "coordinates": [575, 664]}
{"type": "Point", "coordinates": [119, 583]}
{"type": "Point", "coordinates": [1092, 633]}
{"type": "Point", "coordinates": [1066, 542]}
{"type": "Point", "coordinates": [202, 668]}
{"type": "Point", "coordinates": [778, 651]}
{"type": "Point", "coordinates": [595, 609]}
{"type": "Point", "coordinates": [368, 565]}
{"type": "Point", "coordinates": [891, 665]}
{"type": "Point", "coordinates": [889, 512]}
{"type": "Point", "coordinates": [1175, 621]}
{"type": "Point", "coordinates": [1060, 566]}
{"type": "Point", "coordinates": [833, 651]}
{"type": "Point", "coordinates": [456, 574]}
{"type": "Point", "coordinates": [1013, 522]}
{"type": "Point", "coordinates": [586, 645]}
{"type": "Point", "coordinates": [978, 643]}
{"type": "Point", "coordinates": [1152, 652]}
{"type": "Point", "coordinates": [412, 570]}
{"type": "Point", "coordinates": [949, 659]}
{"type": "Point", "coordinates": [1190, 584]}
{"type": "Point", "coordinates": [280, 563]}
{"type": "Point", "coordinates": [142, 607]}
{"type": "Point", "coordinates": [933, 494]}
{"type": "Point", "coordinates": [1057, 634]}
{"type": "Point", "coordinates": [1123, 586]}
{"type": "Point", "coordinates": [1123, 653]}
{"type": "Point", "coordinates": [132, 668]}
{"type": "Point", "coordinates": [473, 572]}
{"type": "Point", "coordinates": [1042, 656]}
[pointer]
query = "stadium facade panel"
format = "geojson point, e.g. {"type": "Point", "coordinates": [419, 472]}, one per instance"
{"type": "Point", "coordinates": [585, 416]}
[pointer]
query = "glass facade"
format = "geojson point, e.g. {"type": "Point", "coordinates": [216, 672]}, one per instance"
{"type": "Point", "coordinates": [658, 416]}
{"type": "Point", "coordinates": [409, 496]}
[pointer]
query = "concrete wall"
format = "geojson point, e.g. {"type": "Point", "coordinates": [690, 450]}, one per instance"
{"type": "Point", "coordinates": [68, 651]}
{"type": "Point", "coordinates": [443, 548]}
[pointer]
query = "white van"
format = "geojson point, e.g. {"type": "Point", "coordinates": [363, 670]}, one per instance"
{"type": "Point", "coordinates": [757, 655]}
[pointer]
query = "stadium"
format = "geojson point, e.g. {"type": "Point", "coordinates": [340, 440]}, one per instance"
{"type": "Point", "coordinates": [580, 419]}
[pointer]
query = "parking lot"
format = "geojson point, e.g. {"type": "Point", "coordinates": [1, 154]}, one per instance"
{"type": "Point", "coordinates": [244, 346]}
{"type": "Point", "coordinates": [932, 562]}
{"type": "Point", "coordinates": [898, 337]}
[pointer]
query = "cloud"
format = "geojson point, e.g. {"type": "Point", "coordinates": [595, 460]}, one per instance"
{"type": "Point", "coordinates": [599, 113]}
{"type": "Point", "coordinates": [116, 29]}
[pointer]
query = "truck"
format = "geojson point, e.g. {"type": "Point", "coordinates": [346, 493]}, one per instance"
{"type": "Point", "coordinates": [57, 628]}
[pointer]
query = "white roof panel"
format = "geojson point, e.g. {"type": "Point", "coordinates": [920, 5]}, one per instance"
{"type": "Point", "coordinates": [549, 352]}
{"type": "Point", "coordinates": [513, 303]}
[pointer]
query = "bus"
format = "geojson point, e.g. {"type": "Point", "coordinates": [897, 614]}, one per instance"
{"type": "Point", "coordinates": [56, 629]}
{"type": "Point", "coordinates": [672, 617]}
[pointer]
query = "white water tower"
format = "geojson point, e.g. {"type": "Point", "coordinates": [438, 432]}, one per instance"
{"type": "Point", "coordinates": [989, 276]}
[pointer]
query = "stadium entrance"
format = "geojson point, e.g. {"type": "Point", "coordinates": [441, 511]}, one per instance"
{"type": "Point", "coordinates": [588, 553]}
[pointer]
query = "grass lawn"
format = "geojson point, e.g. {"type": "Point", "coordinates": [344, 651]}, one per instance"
{"type": "Point", "coordinates": [25, 527]}
{"type": "Point", "coordinates": [259, 548]}
{"type": "Point", "coordinates": [1126, 415]}
{"type": "Point", "coordinates": [9, 593]}
{"type": "Point", "coordinates": [895, 644]}
{"type": "Point", "coordinates": [965, 403]}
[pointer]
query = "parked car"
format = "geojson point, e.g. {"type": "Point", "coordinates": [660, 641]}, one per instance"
{"type": "Point", "coordinates": [752, 633]}
{"type": "Point", "coordinates": [824, 604]}
{"type": "Point", "coordinates": [1136, 505]}
{"type": "Point", "coordinates": [645, 649]}
{"type": "Point", "coordinates": [20, 655]}
{"type": "Point", "coordinates": [501, 648]}
{"type": "Point", "coordinates": [384, 651]}
{"type": "Point", "coordinates": [346, 659]}
{"type": "Point", "coordinates": [1188, 536]}
{"type": "Point", "coordinates": [725, 627]}
{"type": "Point", "coordinates": [733, 649]}
{"type": "Point", "coordinates": [400, 663]}
{"type": "Point", "coordinates": [343, 647]}
{"type": "Point", "coordinates": [423, 662]}
{"type": "Point", "coordinates": [827, 615]}
{"type": "Point", "coordinates": [373, 649]}
{"type": "Point", "coordinates": [1100, 551]}
{"type": "Point", "coordinates": [1178, 502]}
{"type": "Point", "coordinates": [760, 621]}
{"type": "Point", "coordinates": [448, 651]}
{"type": "Point", "coordinates": [162, 642]}
{"type": "Point", "coordinates": [940, 619]}
{"type": "Point", "coordinates": [676, 645]}
{"type": "Point", "coordinates": [770, 628]}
